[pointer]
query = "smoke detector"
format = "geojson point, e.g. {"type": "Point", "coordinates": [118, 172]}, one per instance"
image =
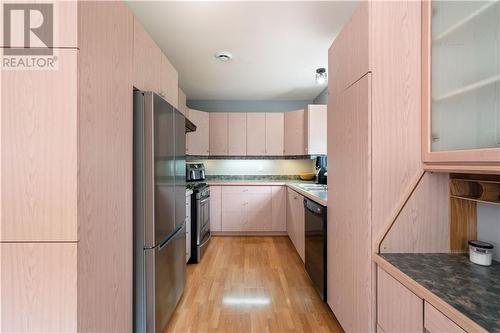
{"type": "Point", "coordinates": [223, 56]}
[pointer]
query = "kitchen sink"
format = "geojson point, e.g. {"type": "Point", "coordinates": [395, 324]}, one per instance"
{"type": "Point", "coordinates": [313, 187]}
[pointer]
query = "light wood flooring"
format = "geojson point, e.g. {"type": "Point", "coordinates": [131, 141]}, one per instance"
{"type": "Point", "coordinates": [251, 284]}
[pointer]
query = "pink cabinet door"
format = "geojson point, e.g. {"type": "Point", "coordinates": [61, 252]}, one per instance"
{"type": "Point", "coordinates": [398, 309]}
{"type": "Point", "coordinates": [218, 133]}
{"type": "Point", "coordinates": [147, 60]}
{"type": "Point", "coordinates": [39, 287]}
{"type": "Point", "coordinates": [169, 82]}
{"type": "Point", "coordinates": [237, 133]}
{"type": "Point", "coordinates": [295, 136]}
{"type": "Point", "coordinates": [39, 152]}
{"type": "Point", "coordinates": [258, 211]}
{"type": "Point", "coordinates": [349, 55]}
{"type": "Point", "coordinates": [278, 208]}
{"type": "Point", "coordinates": [316, 129]}
{"type": "Point", "coordinates": [215, 208]}
{"type": "Point", "coordinates": [275, 132]}
{"type": "Point", "coordinates": [197, 141]}
{"type": "Point", "coordinates": [349, 231]}
{"type": "Point", "coordinates": [256, 134]}
{"type": "Point", "coordinates": [234, 212]}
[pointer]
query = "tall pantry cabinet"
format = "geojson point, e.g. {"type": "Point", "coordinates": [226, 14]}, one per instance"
{"type": "Point", "coordinates": [66, 173]}
{"type": "Point", "coordinates": [373, 144]}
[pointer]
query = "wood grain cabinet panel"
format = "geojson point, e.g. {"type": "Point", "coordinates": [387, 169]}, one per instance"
{"type": "Point", "coordinates": [246, 208]}
{"type": "Point", "coordinates": [349, 221]}
{"type": "Point", "coordinates": [275, 133]}
{"type": "Point", "coordinates": [398, 309]}
{"type": "Point", "coordinates": [181, 103]}
{"type": "Point", "coordinates": [169, 82]}
{"type": "Point", "coordinates": [39, 152]}
{"type": "Point", "coordinates": [315, 127]}
{"type": "Point", "coordinates": [278, 208]}
{"type": "Point", "coordinates": [295, 136]}
{"type": "Point", "coordinates": [147, 61]}
{"type": "Point", "coordinates": [259, 211]}
{"type": "Point", "coordinates": [198, 142]}
{"type": "Point", "coordinates": [38, 287]}
{"type": "Point", "coordinates": [234, 212]}
{"type": "Point", "coordinates": [218, 133]}
{"type": "Point", "coordinates": [105, 152]}
{"type": "Point", "coordinates": [349, 54]}
{"type": "Point", "coordinates": [436, 322]}
{"type": "Point", "coordinates": [256, 134]}
{"type": "Point", "coordinates": [295, 221]}
{"type": "Point", "coordinates": [237, 133]}
{"type": "Point", "coordinates": [215, 208]}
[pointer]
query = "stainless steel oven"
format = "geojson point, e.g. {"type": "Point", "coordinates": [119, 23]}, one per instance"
{"type": "Point", "coordinates": [202, 214]}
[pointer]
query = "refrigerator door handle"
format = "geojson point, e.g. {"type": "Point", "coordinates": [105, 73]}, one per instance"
{"type": "Point", "coordinates": [172, 236]}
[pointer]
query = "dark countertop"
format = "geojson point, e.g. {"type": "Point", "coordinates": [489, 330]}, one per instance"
{"type": "Point", "coordinates": [472, 289]}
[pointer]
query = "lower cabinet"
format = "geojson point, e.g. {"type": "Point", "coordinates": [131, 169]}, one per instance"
{"type": "Point", "coordinates": [215, 208]}
{"type": "Point", "coordinates": [38, 287]}
{"type": "Point", "coordinates": [188, 227]}
{"type": "Point", "coordinates": [253, 208]}
{"type": "Point", "coordinates": [246, 208]}
{"type": "Point", "coordinates": [398, 309]}
{"type": "Point", "coordinates": [295, 222]}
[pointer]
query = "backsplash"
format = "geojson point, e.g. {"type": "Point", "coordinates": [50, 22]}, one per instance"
{"type": "Point", "coordinates": [257, 167]}
{"type": "Point", "coordinates": [488, 226]}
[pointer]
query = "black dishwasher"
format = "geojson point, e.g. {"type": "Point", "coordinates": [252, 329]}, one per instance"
{"type": "Point", "coordinates": [315, 239]}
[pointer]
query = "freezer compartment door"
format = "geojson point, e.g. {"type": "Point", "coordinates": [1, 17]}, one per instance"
{"type": "Point", "coordinates": [166, 278]}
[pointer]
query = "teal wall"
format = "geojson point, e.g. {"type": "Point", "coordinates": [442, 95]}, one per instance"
{"type": "Point", "coordinates": [246, 106]}
{"type": "Point", "coordinates": [255, 106]}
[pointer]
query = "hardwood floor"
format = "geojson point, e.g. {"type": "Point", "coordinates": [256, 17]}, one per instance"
{"type": "Point", "coordinates": [251, 284]}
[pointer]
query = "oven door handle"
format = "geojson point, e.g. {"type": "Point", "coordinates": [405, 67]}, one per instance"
{"type": "Point", "coordinates": [202, 201]}
{"type": "Point", "coordinates": [206, 240]}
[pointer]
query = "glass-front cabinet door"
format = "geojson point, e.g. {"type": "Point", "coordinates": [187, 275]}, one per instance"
{"type": "Point", "coordinates": [461, 81]}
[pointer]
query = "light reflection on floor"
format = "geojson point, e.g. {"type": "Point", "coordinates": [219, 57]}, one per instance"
{"type": "Point", "coordinates": [246, 301]}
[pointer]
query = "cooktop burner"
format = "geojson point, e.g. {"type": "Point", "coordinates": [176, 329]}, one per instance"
{"type": "Point", "coordinates": [196, 185]}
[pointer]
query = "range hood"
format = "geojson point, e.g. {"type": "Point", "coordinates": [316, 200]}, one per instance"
{"type": "Point", "coordinates": [190, 127]}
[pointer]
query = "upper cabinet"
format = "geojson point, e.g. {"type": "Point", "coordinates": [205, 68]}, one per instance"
{"type": "Point", "coordinates": [315, 127]}
{"type": "Point", "coordinates": [295, 136]}
{"type": "Point", "coordinates": [218, 133]}
{"type": "Point", "coordinates": [152, 70]}
{"type": "Point", "coordinates": [349, 54]}
{"type": "Point", "coordinates": [305, 131]}
{"type": "Point", "coordinates": [460, 81]}
{"type": "Point", "coordinates": [197, 141]}
{"type": "Point", "coordinates": [237, 133]}
{"type": "Point", "coordinates": [168, 82]}
{"type": "Point", "coordinates": [39, 163]}
{"type": "Point", "coordinates": [256, 134]}
{"type": "Point", "coordinates": [275, 131]}
{"type": "Point", "coordinates": [147, 60]}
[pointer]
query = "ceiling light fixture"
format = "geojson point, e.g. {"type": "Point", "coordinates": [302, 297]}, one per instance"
{"type": "Point", "coordinates": [320, 75]}
{"type": "Point", "coordinates": [223, 56]}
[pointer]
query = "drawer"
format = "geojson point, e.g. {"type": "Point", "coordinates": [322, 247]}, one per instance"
{"type": "Point", "coordinates": [246, 189]}
{"type": "Point", "coordinates": [436, 322]}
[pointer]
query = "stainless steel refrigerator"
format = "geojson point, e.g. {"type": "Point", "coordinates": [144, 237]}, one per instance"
{"type": "Point", "coordinates": [159, 211]}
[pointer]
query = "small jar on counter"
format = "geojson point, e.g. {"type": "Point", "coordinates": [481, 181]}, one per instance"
{"type": "Point", "coordinates": [480, 253]}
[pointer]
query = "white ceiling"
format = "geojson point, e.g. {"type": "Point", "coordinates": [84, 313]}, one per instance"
{"type": "Point", "coordinates": [276, 46]}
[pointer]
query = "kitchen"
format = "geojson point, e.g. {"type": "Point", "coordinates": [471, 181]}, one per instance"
{"type": "Point", "coordinates": [251, 166]}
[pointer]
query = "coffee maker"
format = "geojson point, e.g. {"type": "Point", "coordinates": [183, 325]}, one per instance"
{"type": "Point", "coordinates": [321, 169]}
